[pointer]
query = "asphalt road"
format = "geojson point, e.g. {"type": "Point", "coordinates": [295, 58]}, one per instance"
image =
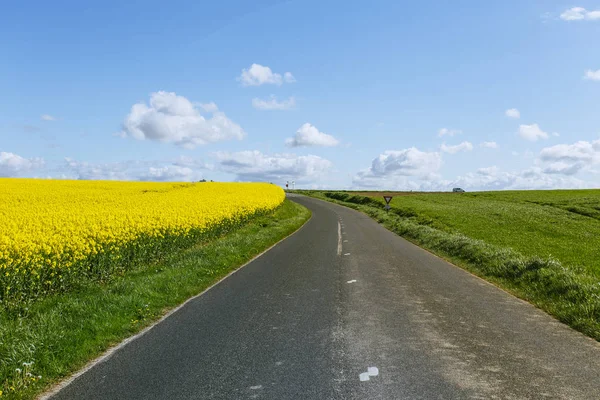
{"type": "Point", "coordinates": [334, 305]}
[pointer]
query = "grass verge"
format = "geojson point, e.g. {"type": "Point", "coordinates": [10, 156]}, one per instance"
{"type": "Point", "coordinates": [60, 333]}
{"type": "Point", "coordinates": [569, 293]}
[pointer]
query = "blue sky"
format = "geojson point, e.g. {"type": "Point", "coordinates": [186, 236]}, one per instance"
{"type": "Point", "coordinates": [330, 94]}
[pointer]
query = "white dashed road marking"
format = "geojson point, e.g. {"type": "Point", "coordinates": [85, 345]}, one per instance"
{"type": "Point", "coordinates": [371, 371]}
{"type": "Point", "coordinates": [339, 247]}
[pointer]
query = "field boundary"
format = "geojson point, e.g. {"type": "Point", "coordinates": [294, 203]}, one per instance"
{"type": "Point", "coordinates": [112, 350]}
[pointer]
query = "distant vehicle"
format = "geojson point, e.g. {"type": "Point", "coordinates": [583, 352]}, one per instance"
{"type": "Point", "coordinates": [458, 190]}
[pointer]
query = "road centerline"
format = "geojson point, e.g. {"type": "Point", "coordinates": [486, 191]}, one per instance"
{"type": "Point", "coordinates": [339, 245]}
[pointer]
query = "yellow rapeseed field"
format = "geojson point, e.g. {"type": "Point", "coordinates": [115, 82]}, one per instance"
{"type": "Point", "coordinates": [54, 232]}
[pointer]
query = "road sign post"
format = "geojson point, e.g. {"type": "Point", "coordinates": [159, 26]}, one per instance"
{"type": "Point", "coordinates": [387, 202]}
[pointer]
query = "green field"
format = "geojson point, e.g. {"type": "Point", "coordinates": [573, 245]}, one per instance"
{"type": "Point", "coordinates": [543, 246]}
{"type": "Point", "coordinates": [564, 225]}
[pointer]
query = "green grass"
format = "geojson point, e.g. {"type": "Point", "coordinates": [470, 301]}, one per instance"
{"type": "Point", "coordinates": [60, 333]}
{"type": "Point", "coordinates": [540, 245]}
{"type": "Point", "coordinates": [541, 223]}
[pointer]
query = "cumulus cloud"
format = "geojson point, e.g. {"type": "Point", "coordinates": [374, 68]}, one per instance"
{"type": "Point", "coordinates": [488, 178]}
{"type": "Point", "coordinates": [174, 119]}
{"type": "Point", "coordinates": [46, 117]}
{"type": "Point", "coordinates": [532, 132]}
{"type": "Point", "coordinates": [209, 107]}
{"type": "Point", "coordinates": [556, 167]}
{"type": "Point", "coordinates": [448, 132]}
{"type": "Point", "coordinates": [169, 173]}
{"type": "Point", "coordinates": [256, 166]}
{"type": "Point", "coordinates": [493, 178]}
{"type": "Point", "coordinates": [273, 104]}
{"type": "Point", "coordinates": [568, 159]}
{"type": "Point", "coordinates": [393, 167]}
{"type": "Point", "coordinates": [12, 165]}
{"type": "Point", "coordinates": [513, 113]}
{"type": "Point", "coordinates": [489, 145]}
{"type": "Point", "coordinates": [309, 135]}
{"type": "Point", "coordinates": [258, 75]}
{"type": "Point", "coordinates": [98, 171]}
{"type": "Point", "coordinates": [464, 146]}
{"type": "Point", "coordinates": [580, 14]}
{"type": "Point", "coordinates": [592, 75]}
{"type": "Point", "coordinates": [183, 169]}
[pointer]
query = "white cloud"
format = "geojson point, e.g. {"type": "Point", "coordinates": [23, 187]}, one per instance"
{"type": "Point", "coordinates": [489, 178]}
{"type": "Point", "coordinates": [532, 132]}
{"type": "Point", "coordinates": [448, 132]}
{"type": "Point", "coordinates": [184, 169]}
{"type": "Point", "coordinates": [289, 78]}
{"type": "Point", "coordinates": [411, 169]}
{"type": "Point", "coordinates": [308, 135]}
{"type": "Point", "coordinates": [579, 14]}
{"type": "Point", "coordinates": [170, 173]}
{"type": "Point", "coordinates": [513, 113]}
{"type": "Point", "coordinates": [99, 171]}
{"type": "Point", "coordinates": [489, 145]}
{"type": "Point", "coordinates": [492, 178]}
{"type": "Point", "coordinates": [592, 75]}
{"type": "Point", "coordinates": [393, 167]}
{"type": "Point", "coordinates": [568, 159]}
{"type": "Point", "coordinates": [256, 166]}
{"type": "Point", "coordinates": [209, 107]}
{"type": "Point", "coordinates": [273, 104]}
{"type": "Point", "coordinates": [464, 146]}
{"type": "Point", "coordinates": [258, 75]}
{"type": "Point", "coordinates": [46, 117]}
{"type": "Point", "coordinates": [174, 119]}
{"type": "Point", "coordinates": [12, 165]}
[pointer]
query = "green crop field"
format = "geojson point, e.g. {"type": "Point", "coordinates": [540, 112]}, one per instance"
{"type": "Point", "coordinates": [544, 246]}
{"type": "Point", "coordinates": [563, 224]}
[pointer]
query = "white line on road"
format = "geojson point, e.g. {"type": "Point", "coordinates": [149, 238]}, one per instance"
{"type": "Point", "coordinates": [371, 371]}
{"type": "Point", "coordinates": [339, 248]}
{"type": "Point", "coordinates": [352, 281]}
{"type": "Point", "coordinates": [346, 254]}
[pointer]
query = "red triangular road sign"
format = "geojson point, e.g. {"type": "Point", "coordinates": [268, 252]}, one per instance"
{"type": "Point", "coordinates": [387, 199]}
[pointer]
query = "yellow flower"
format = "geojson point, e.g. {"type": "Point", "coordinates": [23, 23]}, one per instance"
{"type": "Point", "coordinates": [51, 229]}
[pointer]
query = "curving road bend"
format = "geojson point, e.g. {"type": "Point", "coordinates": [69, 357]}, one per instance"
{"type": "Point", "coordinates": [344, 309]}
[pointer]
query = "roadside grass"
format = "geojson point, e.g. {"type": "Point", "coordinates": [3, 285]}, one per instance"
{"type": "Point", "coordinates": [568, 290]}
{"type": "Point", "coordinates": [61, 333]}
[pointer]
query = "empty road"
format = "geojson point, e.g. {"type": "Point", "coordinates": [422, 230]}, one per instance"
{"type": "Point", "coordinates": [344, 309]}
